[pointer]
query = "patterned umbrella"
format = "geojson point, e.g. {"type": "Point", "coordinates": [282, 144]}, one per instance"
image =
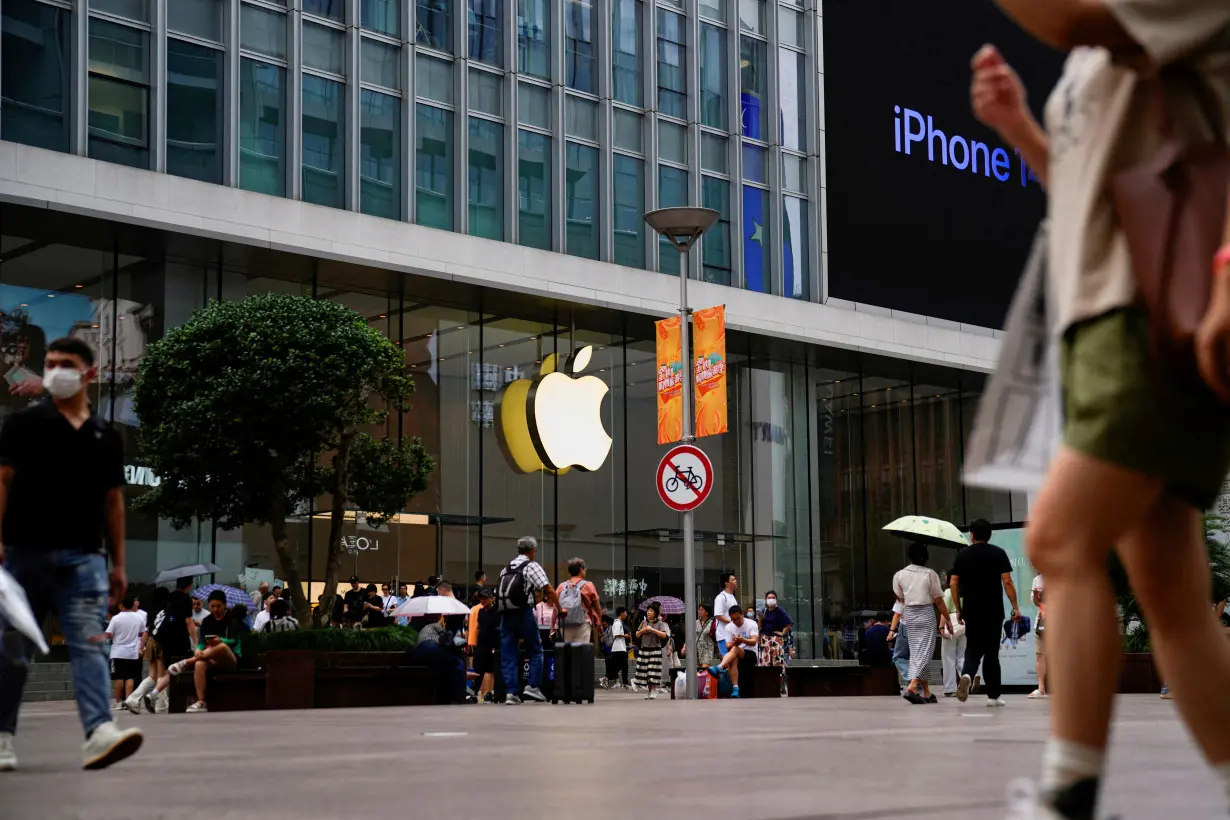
{"type": "Point", "coordinates": [234, 597]}
{"type": "Point", "coordinates": [669, 604]}
{"type": "Point", "coordinates": [927, 530]}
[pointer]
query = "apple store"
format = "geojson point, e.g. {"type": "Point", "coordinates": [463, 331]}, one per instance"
{"type": "Point", "coordinates": [825, 445]}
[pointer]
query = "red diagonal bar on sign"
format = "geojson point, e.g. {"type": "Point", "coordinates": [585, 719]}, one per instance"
{"type": "Point", "coordinates": [682, 477]}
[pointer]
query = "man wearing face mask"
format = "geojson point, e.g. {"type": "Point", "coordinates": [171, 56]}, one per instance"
{"type": "Point", "coordinates": [61, 495]}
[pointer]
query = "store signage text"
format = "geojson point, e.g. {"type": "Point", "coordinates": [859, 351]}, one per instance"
{"type": "Point", "coordinates": [354, 544]}
{"type": "Point", "coordinates": [140, 476]}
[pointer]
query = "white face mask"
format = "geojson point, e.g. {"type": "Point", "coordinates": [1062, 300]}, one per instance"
{"type": "Point", "coordinates": [771, 602]}
{"type": "Point", "coordinates": [62, 382]}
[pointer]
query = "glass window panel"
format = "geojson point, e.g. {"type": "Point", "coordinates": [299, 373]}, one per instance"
{"type": "Point", "coordinates": [789, 27]}
{"type": "Point", "coordinates": [795, 250]}
{"type": "Point", "coordinates": [714, 88]}
{"type": "Point", "coordinates": [793, 89]}
{"type": "Point", "coordinates": [381, 64]}
{"type": "Point", "coordinates": [628, 130]}
{"type": "Point", "coordinates": [262, 127]}
{"type": "Point", "coordinates": [324, 48]}
{"type": "Point", "coordinates": [579, 46]}
{"type": "Point", "coordinates": [333, 9]}
{"type": "Point", "coordinates": [715, 244]}
{"type": "Point", "coordinates": [379, 154]}
{"type": "Point", "coordinates": [751, 17]}
{"type": "Point", "coordinates": [676, 3]}
{"type": "Point", "coordinates": [34, 74]}
{"type": "Point", "coordinates": [672, 142]}
{"type": "Point", "coordinates": [194, 121]}
{"type": "Point", "coordinates": [713, 155]}
{"type": "Point", "coordinates": [754, 164]}
{"type": "Point", "coordinates": [713, 10]}
{"type": "Point", "coordinates": [672, 65]}
{"type": "Point", "coordinates": [433, 166]}
{"type": "Point", "coordinates": [380, 15]}
{"type": "Point", "coordinates": [753, 85]}
{"type": "Point", "coordinates": [534, 37]}
{"type": "Point", "coordinates": [323, 142]}
{"type": "Point", "coordinates": [119, 52]}
{"type": "Point", "coordinates": [627, 74]}
{"type": "Point", "coordinates": [119, 119]}
{"type": "Point", "coordinates": [487, 92]}
{"type": "Point", "coordinates": [580, 118]}
{"type": "Point", "coordinates": [792, 172]}
{"type": "Point", "coordinates": [200, 18]}
{"type": "Point", "coordinates": [486, 33]}
{"type": "Point", "coordinates": [672, 193]}
{"type": "Point", "coordinates": [132, 9]}
{"type": "Point", "coordinates": [262, 31]}
{"type": "Point", "coordinates": [434, 24]}
{"type": "Point", "coordinates": [433, 78]}
{"type": "Point", "coordinates": [534, 105]}
{"type": "Point", "coordinates": [534, 190]}
{"type": "Point", "coordinates": [756, 272]}
{"type": "Point", "coordinates": [486, 197]}
{"type": "Point", "coordinates": [629, 211]}
{"type": "Point", "coordinates": [581, 200]}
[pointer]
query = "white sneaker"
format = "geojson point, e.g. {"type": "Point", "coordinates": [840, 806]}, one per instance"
{"type": "Point", "coordinates": [1023, 803]}
{"type": "Point", "coordinates": [199, 706]}
{"type": "Point", "coordinates": [533, 693]}
{"type": "Point", "coordinates": [995, 703]}
{"type": "Point", "coordinates": [963, 688]}
{"type": "Point", "coordinates": [8, 758]}
{"type": "Point", "coordinates": [110, 744]}
{"type": "Point", "coordinates": [1037, 694]}
{"type": "Point", "coordinates": [133, 704]}
{"type": "Point", "coordinates": [632, 687]}
{"type": "Point", "coordinates": [653, 694]}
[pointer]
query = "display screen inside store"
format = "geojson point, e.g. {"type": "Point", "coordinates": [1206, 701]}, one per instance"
{"type": "Point", "coordinates": [928, 210]}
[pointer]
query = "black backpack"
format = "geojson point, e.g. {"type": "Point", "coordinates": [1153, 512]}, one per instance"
{"type": "Point", "coordinates": [512, 592]}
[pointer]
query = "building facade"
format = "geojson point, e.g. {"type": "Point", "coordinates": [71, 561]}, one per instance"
{"type": "Point", "coordinates": [471, 176]}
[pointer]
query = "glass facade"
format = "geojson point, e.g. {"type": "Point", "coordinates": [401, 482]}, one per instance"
{"type": "Point", "coordinates": [599, 107]}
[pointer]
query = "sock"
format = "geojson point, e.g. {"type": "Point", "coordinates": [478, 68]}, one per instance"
{"type": "Point", "coordinates": [1070, 777]}
{"type": "Point", "coordinates": [1222, 772]}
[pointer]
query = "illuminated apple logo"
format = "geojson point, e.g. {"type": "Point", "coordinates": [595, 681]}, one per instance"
{"type": "Point", "coordinates": [564, 415]}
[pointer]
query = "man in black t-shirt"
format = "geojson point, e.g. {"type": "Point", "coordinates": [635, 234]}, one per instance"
{"type": "Point", "coordinates": [354, 601]}
{"type": "Point", "coordinates": [175, 630]}
{"type": "Point", "coordinates": [980, 577]}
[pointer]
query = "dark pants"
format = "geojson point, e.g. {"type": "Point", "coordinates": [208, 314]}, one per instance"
{"type": "Point", "coordinates": [516, 626]}
{"type": "Point", "coordinates": [452, 670]}
{"type": "Point", "coordinates": [982, 646]}
{"type": "Point", "coordinates": [617, 666]}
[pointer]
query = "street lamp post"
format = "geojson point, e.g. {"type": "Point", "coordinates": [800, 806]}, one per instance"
{"type": "Point", "coordinates": [682, 227]}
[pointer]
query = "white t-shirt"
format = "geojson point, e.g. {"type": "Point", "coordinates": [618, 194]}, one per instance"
{"type": "Point", "coordinates": [618, 642]}
{"type": "Point", "coordinates": [262, 618]}
{"type": "Point", "coordinates": [1036, 586]}
{"type": "Point", "coordinates": [721, 607]}
{"type": "Point", "coordinates": [200, 615]}
{"type": "Point", "coordinates": [125, 630]}
{"type": "Point", "coordinates": [747, 630]}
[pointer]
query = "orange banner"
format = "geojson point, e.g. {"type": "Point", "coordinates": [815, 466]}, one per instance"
{"type": "Point", "coordinates": [709, 344]}
{"type": "Point", "coordinates": [670, 381]}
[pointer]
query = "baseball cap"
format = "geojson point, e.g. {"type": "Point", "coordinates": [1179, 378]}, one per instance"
{"type": "Point", "coordinates": [485, 593]}
{"type": "Point", "coordinates": [354, 579]}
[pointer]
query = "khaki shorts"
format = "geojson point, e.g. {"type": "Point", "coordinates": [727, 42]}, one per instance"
{"type": "Point", "coordinates": [1039, 644]}
{"type": "Point", "coordinates": [1121, 408]}
{"type": "Point", "coordinates": [153, 651]}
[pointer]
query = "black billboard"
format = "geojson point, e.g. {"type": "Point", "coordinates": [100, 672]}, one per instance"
{"type": "Point", "coordinates": [928, 210]}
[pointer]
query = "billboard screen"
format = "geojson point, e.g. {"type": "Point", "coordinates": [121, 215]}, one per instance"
{"type": "Point", "coordinates": [928, 210]}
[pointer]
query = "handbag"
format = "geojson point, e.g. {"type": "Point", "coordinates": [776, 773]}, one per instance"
{"type": "Point", "coordinates": [1172, 209]}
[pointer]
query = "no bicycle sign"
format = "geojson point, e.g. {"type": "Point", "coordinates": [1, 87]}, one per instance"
{"type": "Point", "coordinates": [685, 476]}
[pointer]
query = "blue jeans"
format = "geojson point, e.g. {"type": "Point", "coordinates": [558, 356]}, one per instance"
{"type": "Point", "coordinates": [519, 625]}
{"type": "Point", "coordinates": [901, 652]}
{"type": "Point", "coordinates": [74, 585]}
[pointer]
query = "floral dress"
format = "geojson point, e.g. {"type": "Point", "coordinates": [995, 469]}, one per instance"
{"type": "Point", "coordinates": [706, 647]}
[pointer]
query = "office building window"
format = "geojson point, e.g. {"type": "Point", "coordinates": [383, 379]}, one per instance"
{"type": "Point", "coordinates": [380, 63]}
{"type": "Point", "coordinates": [795, 248]}
{"type": "Point", "coordinates": [753, 85]}
{"type": "Point", "coordinates": [262, 31]}
{"type": "Point", "coordinates": [434, 24]}
{"type": "Point", "coordinates": [433, 166]}
{"type": "Point", "coordinates": [714, 87]}
{"type": "Point", "coordinates": [380, 15]}
{"type": "Point", "coordinates": [534, 38]}
{"type": "Point", "coordinates": [333, 9]}
{"type": "Point", "coordinates": [324, 152]}
{"type": "Point", "coordinates": [486, 32]}
{"type": "Point", "coordinates": [34, 74]}
{"type": "Point", "coordinates": [627, 73]}
{"type": "Point", "coordinates": [756, 271]}
{"type": "Point", "coordinates": [792, 90]}
{"type": "Point", "coordinates": [715, 244]}
{"type": "Point", "coordinates": [581, 200]}
{"type": "Point", "coordinates": [262, 127]}
{"type": "Point", "coordinates": [629, 211]}
{"type": "Point", "coordinates": [132, 9]}
{"type": "Point", "coordinates": [198, 18]}
{"type": "Point", "coordinates": [118, 93]}
{"type": "Point", "coordinates": [672, 65]}
{"type": "Point", "coordinates": [534, 190]}
{"type": "Point", "coordinates": [379, 154]}
{"type": "Point", "coordinates": [486, 196]}
{"type": "Point", "coordinates": [194, 111]}
{"type": "Point", "coordinates": [672, 193]}
{"type": "Point", "coordinates": [579, 46]}
{"type": "Point", "coordinates": [324, 48]}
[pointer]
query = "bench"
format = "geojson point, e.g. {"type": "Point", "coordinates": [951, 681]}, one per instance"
{"type": "Point", "coordinates": [241, 690]}
{"type": "Point", "coordinates": [754, 681]}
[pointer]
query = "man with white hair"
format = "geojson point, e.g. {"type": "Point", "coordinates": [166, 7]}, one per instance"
{"type": "Point", "coordinates": [520, 581]}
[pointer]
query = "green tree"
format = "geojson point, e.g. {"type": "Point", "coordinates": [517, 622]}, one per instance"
{"type": "Point", "coordinates": [251, 409]}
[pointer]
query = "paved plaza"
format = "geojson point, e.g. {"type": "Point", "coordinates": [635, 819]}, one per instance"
{"type": "Point", "coordinates": [623, 757]}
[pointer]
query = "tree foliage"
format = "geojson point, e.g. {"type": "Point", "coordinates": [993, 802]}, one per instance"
{"type": "Point", "coordinates": [251, 409]}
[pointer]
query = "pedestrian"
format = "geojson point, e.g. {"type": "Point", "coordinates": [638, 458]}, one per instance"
{"type": "Point", "coordinates": [126, 632]}
{"type": "Point", "coordinates": [151, 653]}
{"type": "Point", "coordinates": [484, 637]}
{"type": "Point", "coordinates": [742, 636]}
{"type": "Point", "coordinates": [918, 589]}
{"type": "Point", "coordinates": [218, 649]}
{"type": "Point", "coordinates": [546, 617]}
{"type": "Point", "coordinates": [436, 649]}
{"type": "Point", "coordinates": [617, 658]}
{"type": "Point", "coordinates": [373, 609]}
{"type": "Point", "coordinates": [653, 634]}
{"type": "Point", "coordinates": [176, 633]}
{"type": "Point", "coordinates": [578, 599]}
{"type": "Point", "coordinates": [395, 602]}
{"type": "Point", "coordinates": [721, 609]}
{"type": "Point", "coordinates": [899, 637]}
{"type": "Point", "coordinates": [1035, 593]}
{"type": "Point", "coordinates": [1145, 446]}
{"type": "Point", "coordinates": [199, 612]}
{"type": "Point", "coordinates": [61, 497]}
{"type": "Point", "coordinates": [953, 643]}
{"type": "Point", "coordinates": [480, 583]}
{"type": "Point", "coordinates": [980, 577]}
{"type": "Point", "coordinates": [703, 641]}
{"type": "Point", "coordinates": [520, 581]}
{"type": "Point", "coordinates": [444, 589]}
{"type": "Point", "coordinates": [875, 651]}
{"type": "Point", "coordinates": [280, 619]}
{"type": "Point", "coordinates": [258, 597]}
{"type": "Point", "coordinates": [262, 616]}
{"type": "Point", "coordinates": [354, 604]}
{"type": "Point", "coordinates": [775, 625]}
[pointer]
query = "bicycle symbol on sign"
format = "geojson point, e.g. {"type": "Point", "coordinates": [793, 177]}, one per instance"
{"type": "Point", "coordinates": [693, 480]}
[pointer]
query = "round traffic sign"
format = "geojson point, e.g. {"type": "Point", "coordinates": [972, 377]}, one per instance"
{"type": "Point", "coordinates": [685, 476]}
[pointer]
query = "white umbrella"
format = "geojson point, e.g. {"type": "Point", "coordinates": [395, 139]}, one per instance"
{"type": "Point", "coordinates": [185, 570]}
{"type": "Point", "coordinates": [15, 611]}
{"type": "Point", "coordinates": [928, 531]}
{"type": "Point", "coordinates": [431, 605]}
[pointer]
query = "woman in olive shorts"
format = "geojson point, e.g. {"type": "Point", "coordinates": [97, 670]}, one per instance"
{"type": "Point", "coordinates": [1145, 451]}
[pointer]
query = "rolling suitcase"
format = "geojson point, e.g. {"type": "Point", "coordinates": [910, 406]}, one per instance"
{"type": "Point", "coordinates": [574, 673]}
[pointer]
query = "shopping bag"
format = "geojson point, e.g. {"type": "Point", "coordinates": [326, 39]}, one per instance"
{"type": "Point", "coordinates": [1018, 425]}
{"type": "Point", "coordinates": [15, 611]}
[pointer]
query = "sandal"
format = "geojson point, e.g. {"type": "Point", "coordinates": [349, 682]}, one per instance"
{"type": "Point", "coordinates": [913, 697]}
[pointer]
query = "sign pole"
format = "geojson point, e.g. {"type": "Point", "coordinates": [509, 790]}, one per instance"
{"type": "Point", "coordinates": [689, 535]}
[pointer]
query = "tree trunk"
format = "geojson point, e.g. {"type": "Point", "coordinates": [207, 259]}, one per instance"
{"type": "Point", "coordinates": [290, 564]}
{"type": "Point", "coordinates": [337, 519]}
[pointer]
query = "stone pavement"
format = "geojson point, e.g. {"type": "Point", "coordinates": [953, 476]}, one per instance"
{"type": "Point", "coordinates": [623, 757]}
